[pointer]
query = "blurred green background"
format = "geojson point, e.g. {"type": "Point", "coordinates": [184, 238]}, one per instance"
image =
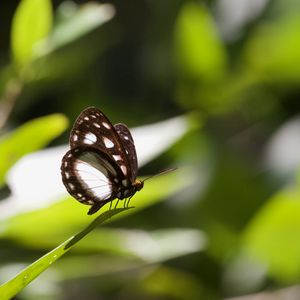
{"type": "Point", "coordinates": [227, 223]}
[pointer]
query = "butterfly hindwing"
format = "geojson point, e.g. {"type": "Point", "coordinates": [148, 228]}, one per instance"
{"type": "Point", "coordinates": [129, 147]}
{"type": "Point", "coordinates": [90, 176]}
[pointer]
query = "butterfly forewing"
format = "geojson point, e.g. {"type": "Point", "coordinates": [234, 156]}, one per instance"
{"type": "Point", "coordinates": [93, 129]}
{"type": "Point", "coordinates": [129, 147]}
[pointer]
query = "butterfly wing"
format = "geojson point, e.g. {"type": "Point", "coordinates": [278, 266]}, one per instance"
{"type": "Point", "coordinates": [128, 144]}
{"type": "Point", "coordinates": [90, 176]}
{"type": "Point", "coordinates": [102, 162]}
{"type": "Point", "coordinates": [93, 129]}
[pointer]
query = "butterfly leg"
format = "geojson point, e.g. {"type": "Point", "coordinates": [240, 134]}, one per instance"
{"type": "Point", "coordinates": [128, 201]}
{"type": "Point", "coordinates": [117, 203]}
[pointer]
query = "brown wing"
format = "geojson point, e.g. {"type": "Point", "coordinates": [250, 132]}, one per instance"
{"type": "Point", "coordinates": [128, 144]}
{"type": "Point", "coordinates": [93, 129]}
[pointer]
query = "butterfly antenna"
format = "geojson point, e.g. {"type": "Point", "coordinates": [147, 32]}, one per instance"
{"type": "Point", "coordinates": [160, 173]}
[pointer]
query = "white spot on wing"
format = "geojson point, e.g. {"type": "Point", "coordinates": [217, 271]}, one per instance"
{"type": "Point", "coordinates": [117, 157]}
{"type": "Point", "coordinates": [97, 125]}
{"type": "Point", "coordinates": [124, 182]}
{"type": "Point", "coordinates": [106, 125]}
{"type": "Point", "coordinates": [126, 137]}
{"type": "Point", "coordinates": [90, 138]}
{"type": "Point", "coordinates": [108, 143]}
{"type": "Point", "coordinates": [86, 118]}
{"type": "Point", "coordinates": [93, 180]}
{"type": "Point", "coordinates": [101, 165]}
{"type": "Point", "coordinates": [124, 169]}
{"type": "Point", "coordinates": [71, 186]}
{"type": "Point", "coordinates": [75, 137]}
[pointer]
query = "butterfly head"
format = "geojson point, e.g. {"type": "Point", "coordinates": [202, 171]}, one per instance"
{"type": "Point", "coordinates": [138, 184]}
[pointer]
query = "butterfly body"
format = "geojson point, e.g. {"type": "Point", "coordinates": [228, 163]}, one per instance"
{"type": "Point", "coordinates": [102, 163]}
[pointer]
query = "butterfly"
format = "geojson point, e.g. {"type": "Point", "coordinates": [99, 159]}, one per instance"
{"type": "Point", "coordinates": [102, 163]}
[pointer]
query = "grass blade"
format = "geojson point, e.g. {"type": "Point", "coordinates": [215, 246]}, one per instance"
{"type": "Point", "coordinates": [21, 280]}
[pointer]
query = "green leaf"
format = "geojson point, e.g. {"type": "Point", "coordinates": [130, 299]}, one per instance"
{"type": "Point", "coordinates": [272, 236]}
{"type": "Point", "coordinates": [29, 137]}
{"type": "Point", "coordinates": [160, 283]}
{"type": "Point", "coordinates": [16, 284]}
{"type": "Point", "coordinates": [31, 23]}
{"type": "Point", "coordinates": [76, 21]}
{"type": "Point", "coordinates": [281, 41]}
{"type": "Point", "coordinates": [142, 246]}
{"type": "Point", "coordinates": [46, 227]}
{"type": "Point", "coordinates": [200, 53]}
{"type": "Point", "coordinates": [124, 250]}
